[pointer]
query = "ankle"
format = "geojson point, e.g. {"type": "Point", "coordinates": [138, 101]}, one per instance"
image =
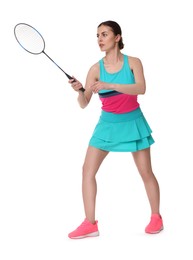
{"type": "Point", "coordinates": [156, 215]}
{"type": "Point", "coordinates": [91, 220]}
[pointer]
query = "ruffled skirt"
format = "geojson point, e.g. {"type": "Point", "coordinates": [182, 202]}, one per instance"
{"type": "Point", "coordinates": [128, 132]}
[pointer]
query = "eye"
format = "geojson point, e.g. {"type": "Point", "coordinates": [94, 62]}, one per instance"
{"type": "Point", "coordinates": [105, 34]}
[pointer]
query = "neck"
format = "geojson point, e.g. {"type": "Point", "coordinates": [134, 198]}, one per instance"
{"type": "Point", "coordinates": [113, 57]}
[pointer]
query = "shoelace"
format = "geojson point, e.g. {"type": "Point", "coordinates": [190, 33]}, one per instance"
{"type": "Point", "coordinates": [83, 225]}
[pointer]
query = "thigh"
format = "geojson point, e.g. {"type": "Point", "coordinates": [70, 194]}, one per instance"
{"type": "Point", "coordinates": [93, 159]}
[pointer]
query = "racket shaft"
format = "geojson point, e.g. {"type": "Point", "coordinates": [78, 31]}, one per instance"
{"type": "Point", "coordinates": [67, 75]}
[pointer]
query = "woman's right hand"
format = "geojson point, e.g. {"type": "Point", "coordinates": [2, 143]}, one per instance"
{"type": "Point", "coordinates": [75, 84]}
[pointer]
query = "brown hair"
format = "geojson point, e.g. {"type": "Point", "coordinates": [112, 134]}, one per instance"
{"type": "Point", "coordinates": [116, 30]}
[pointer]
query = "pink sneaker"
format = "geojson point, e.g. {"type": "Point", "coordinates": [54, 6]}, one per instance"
{"type": "Point", "coordinates": [155, 225]}
{"type": "Point", "coordinates": [86, 229]}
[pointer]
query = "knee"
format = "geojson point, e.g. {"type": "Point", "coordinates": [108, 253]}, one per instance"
{"type": "Point", "coordinates": [87, 173]}
{"type": "Point", "coordinates": [146, 175]}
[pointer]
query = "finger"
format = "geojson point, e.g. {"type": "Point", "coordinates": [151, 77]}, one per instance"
{"type": "Point", "coordinates": [71, 81]}
{"type": "Point", "coordinates": [92, 86]}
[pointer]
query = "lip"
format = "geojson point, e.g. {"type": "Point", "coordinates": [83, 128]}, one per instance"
{"type": "Point", "coordinates": [101, 45]}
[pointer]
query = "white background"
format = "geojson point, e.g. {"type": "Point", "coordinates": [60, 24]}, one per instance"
{"type": "Point", "coordinates": [44, 134]}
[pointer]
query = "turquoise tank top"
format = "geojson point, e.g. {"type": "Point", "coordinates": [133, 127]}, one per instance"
{"type": "Point", "coordinates": [113, 101]}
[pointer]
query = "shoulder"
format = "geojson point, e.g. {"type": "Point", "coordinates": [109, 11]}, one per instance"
{"type": "Point", "coordinates": [134, 62]}
{"type": "Point", "coordinates": [95, 67]}
{"type": "Point", "coordinates": [94, 71]}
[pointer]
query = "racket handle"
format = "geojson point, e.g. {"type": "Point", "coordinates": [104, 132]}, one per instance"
{"type": "Point", "coordinates": [81, 89]}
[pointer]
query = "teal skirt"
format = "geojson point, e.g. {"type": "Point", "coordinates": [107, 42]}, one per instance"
{"type": "Point", "coordinates": [128, 132]}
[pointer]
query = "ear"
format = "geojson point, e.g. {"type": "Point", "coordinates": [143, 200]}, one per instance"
{"type": "Point", "coordinates": [118, 37]}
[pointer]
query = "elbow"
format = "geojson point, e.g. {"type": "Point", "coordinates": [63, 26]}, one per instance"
{"type": "Point", "coordinates": [82, 103]}
{"type": "Point", "coordinates": [81, 106]}
{"type": "Point", "coordinates": [143, 90]}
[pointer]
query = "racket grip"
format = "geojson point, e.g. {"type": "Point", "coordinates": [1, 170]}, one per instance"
{"type": "Point", "coordinates": [81, 89]}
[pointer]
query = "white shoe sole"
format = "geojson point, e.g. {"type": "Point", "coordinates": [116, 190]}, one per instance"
{"type": "Point", "coordinates": [94, 234]}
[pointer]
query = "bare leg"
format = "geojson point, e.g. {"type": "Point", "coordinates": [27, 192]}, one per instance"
{"type": "Point", "coordinates": [143, 162]}
{"type": "Point", "coordinates": [93, 160]}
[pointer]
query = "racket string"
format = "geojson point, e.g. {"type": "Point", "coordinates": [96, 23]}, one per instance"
{"type": "Point", "coordinates": [29, 38]}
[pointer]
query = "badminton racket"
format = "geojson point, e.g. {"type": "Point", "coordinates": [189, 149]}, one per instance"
{"type": "Point", "coordinates": [33, 42]}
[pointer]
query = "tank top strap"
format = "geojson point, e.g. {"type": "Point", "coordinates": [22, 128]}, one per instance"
{"type": "Point", "coordinates": [127, 69]}
{"type": "Point", "coordinates": [126, 62]}
{"type": "Point", "coordinates": [102, 69]}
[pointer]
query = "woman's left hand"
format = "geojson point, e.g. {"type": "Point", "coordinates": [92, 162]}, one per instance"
{"type": "Point", "coordinates": [98, 85]}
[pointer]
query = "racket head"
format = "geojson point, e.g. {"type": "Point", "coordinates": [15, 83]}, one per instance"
{"type": "Point", "coordinates": [29, 38]}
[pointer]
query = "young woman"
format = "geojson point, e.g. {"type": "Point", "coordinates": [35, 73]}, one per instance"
{"type": "Point", "coordinates": [118, 79]}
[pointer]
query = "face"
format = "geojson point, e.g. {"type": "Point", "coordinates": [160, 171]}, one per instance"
{"type": "Point", "coordinates": [106, 38]}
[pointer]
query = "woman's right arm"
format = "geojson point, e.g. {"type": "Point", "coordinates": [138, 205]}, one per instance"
{"type": "Point", "coordinates": [85, 97]}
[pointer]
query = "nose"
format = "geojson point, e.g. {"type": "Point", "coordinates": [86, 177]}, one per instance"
{"type": "Point", "coordinates": [100, 41]}
{"type": "Point", "coordinates": [99, 38]}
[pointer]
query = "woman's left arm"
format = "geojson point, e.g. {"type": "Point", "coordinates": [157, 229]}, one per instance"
{"type": "Point", "coordinates": [139, 87]}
